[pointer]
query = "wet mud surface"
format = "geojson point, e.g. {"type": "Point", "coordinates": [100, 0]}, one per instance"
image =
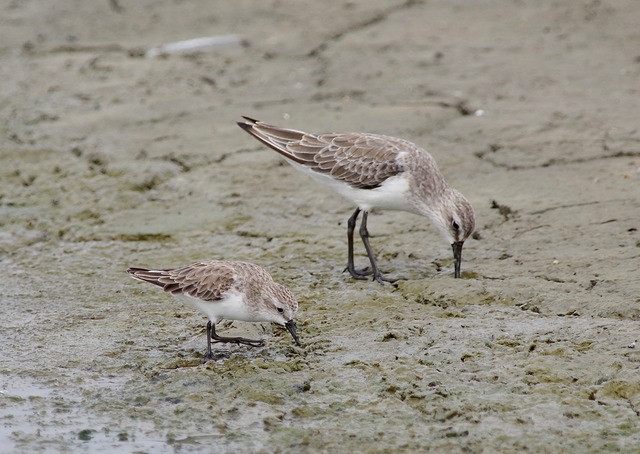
{"type": "Point", "coordinates": [111, 160]}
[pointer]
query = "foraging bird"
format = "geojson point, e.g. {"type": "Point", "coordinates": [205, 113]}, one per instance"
{"type": "Point", "coordinates": [374, 171]}
{"type": "Point", "coordinates": [224, 289]}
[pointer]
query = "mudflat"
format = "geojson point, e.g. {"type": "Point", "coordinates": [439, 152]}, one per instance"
{"type": "Point", "coordinates": [115, 157]}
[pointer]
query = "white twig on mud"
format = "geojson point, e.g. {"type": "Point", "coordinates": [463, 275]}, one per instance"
{"type": "Point", "coordinates": [197, 45]}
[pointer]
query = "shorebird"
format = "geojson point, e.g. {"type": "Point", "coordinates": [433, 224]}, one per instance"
{"type": "Point", "coordinates": [374, 171]}
{"type": "Point", "coordinates": [224, 289]}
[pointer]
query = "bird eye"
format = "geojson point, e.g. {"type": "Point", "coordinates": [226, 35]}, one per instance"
{"type": "Point", "coordinates": [455, 226]}
{"type": "Point", "coordinates": [281, 310]}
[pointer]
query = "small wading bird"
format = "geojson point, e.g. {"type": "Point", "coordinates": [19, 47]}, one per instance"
{"type": "Point", "coordinates": [374, 171]}
{"type": "Point", "coordinates": [224, 289]}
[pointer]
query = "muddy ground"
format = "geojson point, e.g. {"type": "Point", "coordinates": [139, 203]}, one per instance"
{"type": "Point", "coordinates": [111, 159]}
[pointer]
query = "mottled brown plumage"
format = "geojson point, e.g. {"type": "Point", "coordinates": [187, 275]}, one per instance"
{"type": "Point", "coordinates": [207, 281]}
{"type": "Point", "coordinates": [224, 289]}
{"type": "Point", "coordinates": [363, 161]}
{"type": "Point", "coordinates": [374, 171]}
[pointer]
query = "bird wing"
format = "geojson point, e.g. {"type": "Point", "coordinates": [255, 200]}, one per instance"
{"type": "Point", "coordinates": [363, 161]}
{"type": "Point", "coordinates": [206, 281]}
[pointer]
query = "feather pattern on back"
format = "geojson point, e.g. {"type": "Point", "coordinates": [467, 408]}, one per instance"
{"type": "Point", "coordinates": [207, 281]}
{"type": "Point", "coordinates": [364, 161]}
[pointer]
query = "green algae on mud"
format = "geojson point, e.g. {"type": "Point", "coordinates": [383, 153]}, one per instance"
{"type": "Point", "coordinates": [438, 294]}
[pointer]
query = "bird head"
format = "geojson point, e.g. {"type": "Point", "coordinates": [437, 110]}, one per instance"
{"type": "Point", "coordinates": [282, 307]}
{"type": "Point", "coordinates": [456, 220]}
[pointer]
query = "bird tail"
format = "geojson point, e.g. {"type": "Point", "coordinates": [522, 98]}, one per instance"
{"type": "Point", "coordinates": [151, 276]}
{"type": "Point", "coordinates": [274, 137]}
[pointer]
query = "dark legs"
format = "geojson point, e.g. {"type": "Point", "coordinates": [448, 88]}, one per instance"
{"type": "Point", "coordinates": [351, 226]}
{"type": "Point", "coordinates": [213, 337]}
{"type": "Point", "coordinates": [364, 234]}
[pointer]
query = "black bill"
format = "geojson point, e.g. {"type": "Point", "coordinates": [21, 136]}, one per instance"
{"type": "Point", "coordinates": [457, 256]}
{"type": "Point", "coordinates": [291, 327]}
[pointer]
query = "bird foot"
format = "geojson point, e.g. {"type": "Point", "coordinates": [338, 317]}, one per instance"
{"type": "Point", "coordinates": [361, 274]}
{"type": "Point", "coordinates": [382, 279]}
{"type": "Point", "coordinates": [364, 273]}
{"type": "Point", "coordinates": [238, 340]}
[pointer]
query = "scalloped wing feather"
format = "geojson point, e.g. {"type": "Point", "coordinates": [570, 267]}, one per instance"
{"type": "Point", "coordinates": [206, 281]}
{"type": "Point", "coordinates": [361, 160]}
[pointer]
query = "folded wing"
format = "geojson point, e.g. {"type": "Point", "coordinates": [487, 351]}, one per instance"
{"type": "Point", "coordinates": [363, 161]}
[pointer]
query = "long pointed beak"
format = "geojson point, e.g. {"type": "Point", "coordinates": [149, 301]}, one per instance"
{"type": "Point", "coordinates": [457, 256]}
{"type": "Point", "coordinates": [291, 327]}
